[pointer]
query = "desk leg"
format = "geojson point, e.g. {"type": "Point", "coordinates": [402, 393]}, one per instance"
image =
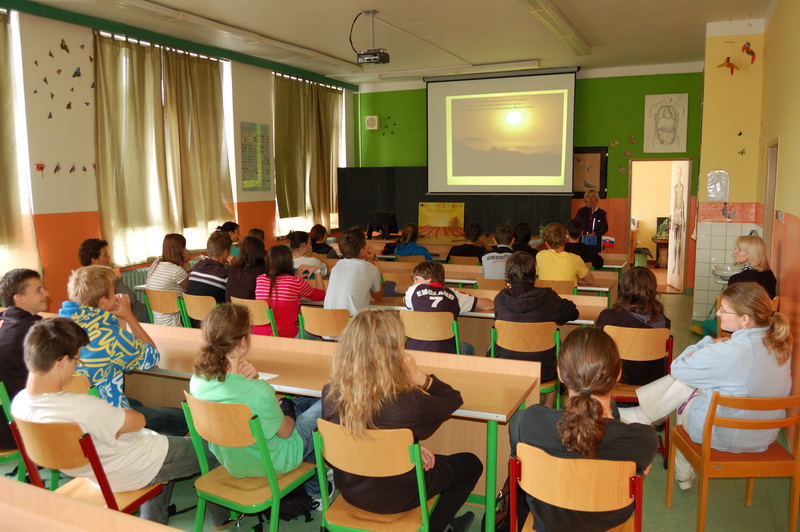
{"type": "Point", "coordinates": [491, 473]}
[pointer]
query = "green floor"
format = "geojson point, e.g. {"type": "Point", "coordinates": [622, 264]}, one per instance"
{"type": "Point", "coordinates": [726, 510]}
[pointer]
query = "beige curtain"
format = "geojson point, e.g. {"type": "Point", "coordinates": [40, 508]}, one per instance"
{"type": "Point", "coordinates": [195, 134]}
{"type": "Point", "coordinates": [10, 214]}
{"type": "Point", "coordinates": [162, 168]}
{"type": "Point", "coordinates": [307, 122]}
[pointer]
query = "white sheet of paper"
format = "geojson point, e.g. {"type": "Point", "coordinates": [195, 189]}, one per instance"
{"type": "Point", "coordinates": [266, 376]}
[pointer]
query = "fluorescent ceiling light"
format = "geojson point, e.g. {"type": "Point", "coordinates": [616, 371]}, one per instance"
{"type": "Point", "coordinates": [547, 14]}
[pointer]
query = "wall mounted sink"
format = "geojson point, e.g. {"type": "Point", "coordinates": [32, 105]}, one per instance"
{"type": "Point", "coordinates": [723, 273]}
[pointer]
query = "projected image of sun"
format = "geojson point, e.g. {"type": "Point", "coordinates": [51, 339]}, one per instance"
{"type": "Point", "coordinates": [513, 118]}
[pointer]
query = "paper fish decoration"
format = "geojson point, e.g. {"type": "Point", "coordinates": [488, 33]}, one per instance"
{"type": "Point", "coordinates": [45, 80]}
{"type": "Point", "coordinates": [57, 169]}
{"type": "Point", "coordinates": [77, 73]}
{"type": "Point", "coordinates": [72, 89]}
{"type": "Point", "coordinates": [614, 143]}
{"type": "Point", "coordinates": [36, 62]}
{"type": "Point", "coordinates": [50, 115]}
{"type": "Point", "coordinates": [40, 168]}
{"type": "Point", "coordinates": [749, 51]}
{"type": "Point", "coordinates": [84, 168]}
{"type": "Point", "coordinates": [628, 153]}
{"type": "Point", "coordinates": [69, 105]}
{"type": "Point", "coordinates": [727, 63]}
{"type": "Point", "coordinates": [86, 104]}
{"type": "Point", "coordinates": [58, 71]}
{"type": "Point", "coordinates": [91, 59]}
{"type": "Point", "coordinates": [64, 46]}
{"type": "Point", "coordinates": [92, 85]}
{"type": "Point", "coordinates": [72, 170]}
{"type": "Point", "coordinates": [51, 55]}
{"type": "Point", "coordinates": [632, 139]}
{"type": "Point", "coordinates": [741, 152]}
{"type": "Point", "coordinates": [36, 91]}
{"type": "Point", "coordinates": [83, 46]}
{"type": "Point", "coordinates": [622, 170]}
{"type": "Point", "coordinates": [52, 95]}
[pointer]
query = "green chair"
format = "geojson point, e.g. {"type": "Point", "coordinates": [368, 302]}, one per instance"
{"type": "Point", "coordinates": [234, 425]}
{"type": "Point", "coordinates": [431, 326]}
{"type": "Point", "coordinates": [320, 321]}
{"type": "Point", "coordinates": [529, 338]}
{"type": "Point", "coordinates": [195, 307]}
{"type": "Point", "coordinates": [11, 455]}
{"type": "Point", "coordinates": [382, 453]}
{"type": "Point", "coordinates": [260, 313]}
{"type": "Point", "coordinates": [163, 301]}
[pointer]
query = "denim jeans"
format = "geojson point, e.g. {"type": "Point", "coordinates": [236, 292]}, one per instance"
{"type": "Point", "coordinates": [309, 410]}
{"type": "Point", "coordinates": [180, 462]}
{"type": "Point", "coordinates": [162, 419]}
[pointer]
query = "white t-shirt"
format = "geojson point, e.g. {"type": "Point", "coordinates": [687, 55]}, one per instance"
{"type": "Point", "coordinates": [166, 276]}
{"type": "Point", "coordinates": [350, 283]}
{"type": "Point", "coordinates": [130, 461]}
{"type": "Point", "coordinates": [311, 261]}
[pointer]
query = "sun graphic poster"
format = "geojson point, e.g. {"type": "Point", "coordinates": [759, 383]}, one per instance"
{"type": "Point", "coordinates": [441, 219]}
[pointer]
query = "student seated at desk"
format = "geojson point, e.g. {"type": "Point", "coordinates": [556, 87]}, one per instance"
{"type": "Point", "coordinates": [587, 427]}
{"type": "Point", "coordinates": [473, 247]}
{"type": "Point", "coordinates": [555, 264]}
{"type": "Point", "coordinates": [374, 384]}
{"type": "Point", "coordinates": [209, 276]}
{"type": "Point", "coordinates": [494, 262]}
{"type": "Point", "coordinates": [282, 288]}
{"type": "Point", "coordinates": [170, 272]}
{"type": "Point", "coordinates": [408, 243]}
{"type": "Point", "coordinates": [113, 350]}
{"type": "Point", "coordinates": [522, 238]}
{"type": "Point", "coordinates": [522, 302]}
{"type": "Point", "coordinates": [318, 236]}
{"type": "Point", "coordinates": [95, 251]}
{"type": "Point", "coordinates": [300, 245]}
{"type": "Point", "coordinates": [354, 278]}
{"type": "Point", "coordinates": [242, 276]}
{"type": "Point", "coordinates": [223, 375]}
{"type": "Point", "coordinates": [637, 306]}
{"type": "Point", "coordinates": [428, 294]}
{"type": "Point", "coordinates": [132, 456]}
{"type": "Point", "coordinates": [574, 245]}
{"type": "Point", "coordinates": [232, 229]}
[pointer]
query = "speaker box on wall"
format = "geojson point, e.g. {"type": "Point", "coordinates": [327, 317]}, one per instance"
{"type": "Point", "coordinates": [372, 122]}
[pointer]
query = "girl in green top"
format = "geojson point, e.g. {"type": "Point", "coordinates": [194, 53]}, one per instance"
{"type": "Point", "coordinates": [222, 374]}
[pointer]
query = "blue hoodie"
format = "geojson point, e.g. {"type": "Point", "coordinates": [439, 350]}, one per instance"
{"type": "Point", "coordinates": [412, 248]}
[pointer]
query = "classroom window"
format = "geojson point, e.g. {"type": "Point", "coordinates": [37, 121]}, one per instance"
{"type": "Point", "coordinates": [163, 165]}
{"type": "Point", "coordinates": [17, 239]}
{"type": "Point", "coordinates": [308, 133]}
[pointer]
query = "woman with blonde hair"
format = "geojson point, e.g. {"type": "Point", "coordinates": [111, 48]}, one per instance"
{"type": "Point", "coordinates": [170, 272]}
{"type": "Point", "coordinates": [588, 366]}
{"type": "Point", "coordinates": [376, 385]}
{"type": "Point", "coordinates": [751, 253]}
{"type": "Point", "coordinates": [751, 363]}
{"type": "Point", "coordinates": [408, 243]}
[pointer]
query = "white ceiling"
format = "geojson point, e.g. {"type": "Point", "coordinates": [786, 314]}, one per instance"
{"type": "Point", "coordinates": [431, 34]}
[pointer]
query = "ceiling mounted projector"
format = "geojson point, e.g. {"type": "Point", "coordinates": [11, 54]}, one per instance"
{"type": "Point", "coordinates": [379, 56]}
{"type": "Point", "coordinates": [372, 54]}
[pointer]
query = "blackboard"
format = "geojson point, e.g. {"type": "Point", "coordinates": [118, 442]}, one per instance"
{"type": "Point", "coordinates": [402, 188]}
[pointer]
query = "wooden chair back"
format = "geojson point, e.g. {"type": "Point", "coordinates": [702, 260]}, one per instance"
{"type": "Point", "coordinates": [163, 301]}
{"type": "Point", "coordinates": [489, 284]}
{"type": "Point", "coordinates": [78, 384]}
{"type": "Point", "coordinates": [53, 445]}
{"type": "Point", "coordinates": [776, 303]}
{"type": "Point", "coordinates": [198, 307]}
{"type": "Point", "coordinates": [589, 307]}
{"type": "Point", "coordinates": [258, 309]}
{"type": "Point", "coordinates": [428, 326]}
{"type": "Point", "coordinates": [587, 485]}
{"type": "Point", "coordinates": [470, 261]}
{"type": "Point", "coordinates": [324, 321]}
{"type": "Point", "coordinates": [330, 263]}
{"type": "Point", "coordinates": [388, 266]}
{"type": "Point", "coordinates": [400, 278]}
{"type": "Point", "coordinates": [559, 287]}
{"type": "Point", "coordinates": [640, 344]}
{"type": "Point", "coordinates": [413, 259]}
{"type": "Point", "coordinates": [223, 424]}
{"type": "Point", "coordinates": [383, 453]}
{"type": "Point", "coordinates": [525, 337]}
{"type": "Point", "coordinates": [714, 419]}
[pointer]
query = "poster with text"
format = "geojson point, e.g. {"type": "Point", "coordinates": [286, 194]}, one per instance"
{"type": "Point", "coordinates": [255, 157]}
{"type": "Point", "coordinates": [441, 219]}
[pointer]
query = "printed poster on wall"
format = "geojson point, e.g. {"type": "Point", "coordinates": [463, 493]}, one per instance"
{"type": "Point", "coordinates": [255, 157]}
{"type": "Point", "coordinates": [665, 123]}
{"type": "Point", "coordinates": [441, 219]}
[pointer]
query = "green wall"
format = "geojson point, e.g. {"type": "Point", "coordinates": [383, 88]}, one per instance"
{"type": "Point", "coordinates": [606, 109]}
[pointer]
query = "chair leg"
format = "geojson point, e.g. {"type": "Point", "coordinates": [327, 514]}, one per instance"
{"type": "Point", "coordinates": [670, 476]}
{"type": "Point", "coordinates": [22, 471]}
{"type": "Point", "coordinates": [200, 516]}
{"type": "Point", "coordinates": [702, 500]}
{"type": "Point", "coordinates": [748, 491]}
{"type": "Point", "coordinates": [55, 476]}
{"type": "Point", "coordinates": [274, 516]}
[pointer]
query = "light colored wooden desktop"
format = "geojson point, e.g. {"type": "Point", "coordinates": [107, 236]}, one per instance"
{"type": "Point", "coordinates": [492, 389]}
{"type": "Point", "coordinates": [26, 508]}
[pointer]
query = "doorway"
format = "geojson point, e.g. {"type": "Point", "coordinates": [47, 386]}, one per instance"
{"type": "Point", "coordinates": [659, 202]}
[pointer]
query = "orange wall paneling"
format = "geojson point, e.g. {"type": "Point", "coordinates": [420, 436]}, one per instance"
{"type": "Point", "coordinates": [261, 214]}
{"type": "Point", "coordinates": [58, 237]}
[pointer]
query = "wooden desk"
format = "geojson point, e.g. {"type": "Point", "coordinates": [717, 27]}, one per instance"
{"type": "Point", "coordinates": [24, 508]}
{"type": "Point", "coordinates": [492, 389]}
